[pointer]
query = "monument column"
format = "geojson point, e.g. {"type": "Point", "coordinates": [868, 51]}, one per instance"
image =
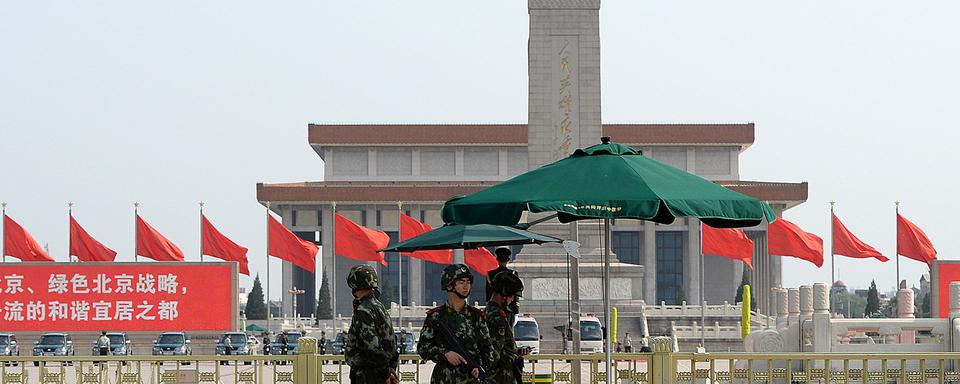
{"type": "Point", "coordinates": [564, 78]}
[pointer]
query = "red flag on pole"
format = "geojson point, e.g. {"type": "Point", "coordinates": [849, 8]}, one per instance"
{"type": "Point", "coordinates": [787, 239]}
{"type": "Point", "coordinates": [846, 244]}
{"type": "Point", "coordinates": [480, 260]}
{"type": "Point", "coordinates": [728, 242]}
{"type": "Point", "coordinates": [410, 228]}
{"type": "Point", "coordinates": [287, 246]}
{"type": "Point", "coordinates": [913, 243]}
{"type": "Point", "coordinates": [213, 243]}
{"type": "Point", "coordinates": [150, 243]}
{"type": "Point", "coordinates": [85, 247]}
{"type": "Point", "coordinates": [359, 243]}
{"type": "Point", "coordinates": [18, 243]}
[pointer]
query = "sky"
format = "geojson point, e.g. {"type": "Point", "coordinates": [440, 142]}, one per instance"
{"type": "Point", "coordinates": [107, 103]}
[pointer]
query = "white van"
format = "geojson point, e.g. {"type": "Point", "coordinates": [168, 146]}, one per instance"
{"type": "Point", "coordinates": [526, 332]}
{"type": "Point", "coordinates": [591, 335]}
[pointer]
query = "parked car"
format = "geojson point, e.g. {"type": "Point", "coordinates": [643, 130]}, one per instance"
{"type": "Point", "coordinates": [276, 348]}
{"type": "Point", "coordinates": [410, 343]}
{"type": "Point", "coordinates": [172, 343]}
{"type": "Point", "coordinates": [53, 344]}
{"type": "Point", "coordinates": [119, 344]}
{"type": "Point", "coordinates": [8, 345]}
{"type": "Point", "coordinates": [336, 346]}
{"type": "Point", "coordinates": [239, 345]}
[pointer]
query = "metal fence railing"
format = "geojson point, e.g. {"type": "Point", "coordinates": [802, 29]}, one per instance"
{"type": "Point", "coordinates": [662, 366]}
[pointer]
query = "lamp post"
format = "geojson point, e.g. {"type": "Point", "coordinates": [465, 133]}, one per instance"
{"type": "Point", "coordinates": [295, 292]}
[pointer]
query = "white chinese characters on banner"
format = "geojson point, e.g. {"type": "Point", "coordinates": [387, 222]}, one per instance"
{"type": "Point", "coordinates": [99, 310]}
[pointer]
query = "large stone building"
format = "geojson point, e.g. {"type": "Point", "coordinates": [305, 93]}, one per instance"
{"type": "Point", "coordinates": [368, 169]}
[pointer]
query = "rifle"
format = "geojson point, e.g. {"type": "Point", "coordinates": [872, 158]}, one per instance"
{"type": "Point", "coordinates": [454, 343]}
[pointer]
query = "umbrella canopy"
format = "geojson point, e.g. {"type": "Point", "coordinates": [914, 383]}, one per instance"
{"type": "Point", "coordinates": [255, 328]}
{"type": "Point", "coordinates": [608, 180]}
{"type": "Point", "coordinates": [456, 236]}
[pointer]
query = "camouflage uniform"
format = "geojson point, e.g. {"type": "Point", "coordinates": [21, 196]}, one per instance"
{"type": "Point", "coordinates": [469, 327]}
{"type": "Point", "coordinates": [369, 346]}
{"type": "Point", "coordinates": [503, 343]}
{"type": "Point", "coordinates": [505, 369]}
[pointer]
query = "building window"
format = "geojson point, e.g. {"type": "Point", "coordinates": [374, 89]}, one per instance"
{"type": "Point", "coordinates": [389, 279]}
{"type": "Point", "coordinates": [670, 267]}
{"type": "Point", "coordinates": [626, 245]}
{"type": "Point", "coordinates": [431, 284]}
{"type": "Point", "coordinates": [293, 218]}
{"type": "Point", "coordinates": [379, 218]}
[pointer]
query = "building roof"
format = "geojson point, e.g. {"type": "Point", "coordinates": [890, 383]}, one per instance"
{"type": "Point", "coordinates": [435, 192]}
{"type": "Point", "coordinates": [741, 134]}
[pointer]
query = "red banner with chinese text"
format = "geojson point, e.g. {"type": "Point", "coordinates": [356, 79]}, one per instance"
{"type": "Point", "coordinates": [118, 297]}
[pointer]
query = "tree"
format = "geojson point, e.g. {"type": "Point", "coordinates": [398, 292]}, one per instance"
{"type": "Point", "coordinates": [873, 300]}
{"type": "Point", "coordinates": [386, 293]}
{"type": "Point", "coordinates": [739, 297]}
{"type": "Point", "coordinates": [256, 308]}
{"type": "Point", "coordinates": [324, 311]}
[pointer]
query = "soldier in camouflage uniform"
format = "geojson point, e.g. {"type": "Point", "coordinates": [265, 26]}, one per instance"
{"type": "Point", "coordinates": [507, 287]}
{"type": "Point", "coordinates": [503, 257]}
{"type": "Point", "coordinates": [369, 346]}
{"type": "Point", "coordinates": [466, 322]}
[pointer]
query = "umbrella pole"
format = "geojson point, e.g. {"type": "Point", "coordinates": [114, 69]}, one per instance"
{"type": "Point", "coordinates": [606, 297]}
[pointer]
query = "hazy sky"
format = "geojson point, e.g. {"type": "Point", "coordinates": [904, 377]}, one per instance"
{"type": "Point", "coordinates": [104, 103]}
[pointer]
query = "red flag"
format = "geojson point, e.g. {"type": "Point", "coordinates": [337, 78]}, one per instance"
{"type": "Point", "coordinates": [151, 244]}
{"type": "Point", "coordinates": [787, 239]}
{"type": "Point", "coordinates": [409, 228]}
{"type": "Point", "coordinates": [18, 243]}
{"type": "Point", "coordinates": [359, 243]}
{"type": "Point", "coordinates": [85, 247]}
{"type": "Point", "coordinates": [731, 243]}
{"type": "Point", "coordinates": [287, 246]}
{"type": "Point", "coordinates": [846, 244]}
{"type": "Point", "coordinates": [480, 260]}
{"type": "Point", "coordinates": [213, 243]}
{"type": "Point", "coordinates": [912, 242]}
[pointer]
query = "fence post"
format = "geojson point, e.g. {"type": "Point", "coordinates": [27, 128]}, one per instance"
{"type": "Point", "coordinates": [662, 369]}
{"type": "Point", "coordinates": [305, 367]}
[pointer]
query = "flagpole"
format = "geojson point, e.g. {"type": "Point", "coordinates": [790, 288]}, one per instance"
{"type": "Point", "coordinates": [400, 267]}
{"type": "Point", "coordinates": [3, 243]}
{"type": "Point", "coordinates": [201, 231]}
{"type": "Point", "coordinates": [833, 259]}
{"type": "Point", "coordinates": [897, 252]}
{"type": "Point", "coordinates": [69, 233]}
{"type": "Point", "coordinates": [269, 309]}
{"type": "Point", "coordinates": [333, 265]}
{"type": "Point", "coordinates": [136, 234]}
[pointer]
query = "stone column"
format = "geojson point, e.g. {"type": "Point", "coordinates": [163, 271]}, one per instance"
{"type": "Point", "coordinates": [806, 302]}
{"type": "Point", "coordinates": [905, 303]}
{"type": "Point", "coordinates": [650, 262]}
{"type": "Point", "coordinates": [691, 269]}
{"type": "Point", "coordinates": [793, 302]}
{"type": "Point", "coordinates": [783, 309]}
{"type": "Point", "coordinates": [821, 318]}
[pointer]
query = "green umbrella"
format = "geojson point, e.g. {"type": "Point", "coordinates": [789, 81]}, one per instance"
{"type": "Point", "coordinates": [608, 181]}
{"type": "Point", "coordinates": [456, 236]}
{"type": "Point", "coordinates": [255, 328]}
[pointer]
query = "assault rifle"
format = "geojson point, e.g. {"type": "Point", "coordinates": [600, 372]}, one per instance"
{"type": "Point", "coordinates": [453, 342]}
